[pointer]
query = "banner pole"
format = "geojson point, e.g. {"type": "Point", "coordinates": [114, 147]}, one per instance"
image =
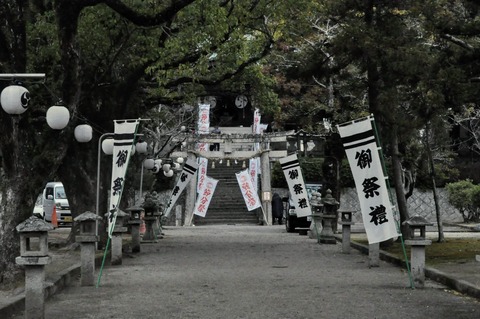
{"type": "Point", "coordinates": [103, 262]}
{"type": "Point", "coordinates": [380, 150]}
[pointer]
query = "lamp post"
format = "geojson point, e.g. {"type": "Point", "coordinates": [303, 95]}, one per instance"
{"type": "Point", "coordinates": [97, 205]}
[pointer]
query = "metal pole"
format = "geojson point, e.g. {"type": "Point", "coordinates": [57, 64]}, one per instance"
{"type": "Point", "coordinates": [141, 182]}
{"type": "Point", "coordinates": [97, 206]}
{"type": "Point", "coordinates": [22, 75]}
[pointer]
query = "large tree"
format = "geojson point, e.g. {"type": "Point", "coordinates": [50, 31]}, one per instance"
{"type": "Point", "coordinates": [106, 60]}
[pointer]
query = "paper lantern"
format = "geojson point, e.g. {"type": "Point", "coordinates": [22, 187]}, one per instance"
{"type": "Point", "coordinates": [83, 133]}
{"type": "Point", "coordinates": [168, 174]}
{"type": "Point", "coordinates": [176, 166]}
{"type": "Point", "coordinates": [107, 146]}
{"type": "Point", "coordinates": [148, 163]}
{"type": "Point", "coordinates": [158, 162]}
{"type": "Point", "coordinates": [58, 117]}
{"type": "Point", "coordinates": [166, 167]}
{"type": "Point", "coordinates": [141, 147]}
{"type": "Point", "coordinates": [14, 99]}
{"type": "Point", "coordinates": [180, 160]}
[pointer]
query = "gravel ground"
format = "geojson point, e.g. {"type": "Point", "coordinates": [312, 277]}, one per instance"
{"type": "Point", "coordinates": [253, 272]}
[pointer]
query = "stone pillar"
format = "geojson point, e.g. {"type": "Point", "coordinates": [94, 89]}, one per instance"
{"type": "Point", "coordinates": [266, 187]}
{"type": "Point", "coordinates": [135, 222]}
{"type": "Point", "coordinates": [191, 193]}
{"type": "Point", "coordinates": [178, 215]}
{"type": "Point", "coordinates": [417, 225]}
{"type": "Point", "coordinates": [346, 222]}
{"type": "Point", "coordinates": [117, 242]}
{"type": "Point", "coordinates": [374, 255]}
{"type": "Point", "coordinates": [316, 224]}
{"type": "Point", "coordinates": [34, 256]}
{"type": "Point", "coordinates": [87, 240]}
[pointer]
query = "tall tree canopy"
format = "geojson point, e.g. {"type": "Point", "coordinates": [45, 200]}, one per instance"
{"type": "Point", "coordinates": [112, 59]}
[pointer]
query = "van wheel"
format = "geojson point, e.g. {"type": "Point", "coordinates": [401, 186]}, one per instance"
{"type": "Point", "coordinates": [289, 224]}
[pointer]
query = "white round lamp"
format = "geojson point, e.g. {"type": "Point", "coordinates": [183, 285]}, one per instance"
{"type": "Point", "coordinates": [141, 147]}
{"type": "Point", "coordinates": [107, 146]}
{"type": "Point", "coordinates": [148, 163]}
{"type": "Point", "coordinates": [168, 174]}
{"type": "Point", "coordinates": [83, 133]}
{"type": "Point", "coordinates": [14, 99]}
{"type": "Point", "coordinates": [58, 117]}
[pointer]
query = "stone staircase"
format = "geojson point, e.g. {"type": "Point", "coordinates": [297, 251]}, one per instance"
{"type": "Point", "coordinates": [227, 205]}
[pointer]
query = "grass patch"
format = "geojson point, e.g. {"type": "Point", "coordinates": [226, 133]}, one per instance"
{"type": "Point", "coordinates": [454, 250]}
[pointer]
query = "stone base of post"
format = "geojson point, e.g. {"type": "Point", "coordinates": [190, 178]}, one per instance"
{"type": "Point", "coordinates": [87, 256]}
{"type": "Point", "coordinates": [315, 227]}
{"type": "Point", "coordinates": [374, 255]}
{"type": "Point", "coordinates": [117, 245]}
{"type": "Point", "coordinates": [149, 236]}
{"type": "Point", "coordinates": [346, 231]}
{"type": "Point", "coordinates": [135, 231]}
{"type": "Point", "coordinates": [34, 281]}
{"type": "Point", "coordinates": [326, 235]}
{"type": "Point", "coordinates": [178, 215]}
{"type": "Point", "coordinates": [417, 260]}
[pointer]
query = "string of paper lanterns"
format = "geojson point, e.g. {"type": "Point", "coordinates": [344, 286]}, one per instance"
{"type": "Point", "coordinates": [168, 166]}
{"type": "Point", "coordinates": [15, 98]}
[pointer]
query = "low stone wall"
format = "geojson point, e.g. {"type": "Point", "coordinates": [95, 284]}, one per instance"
{"type": "Point", "coordinates": [420, 203]}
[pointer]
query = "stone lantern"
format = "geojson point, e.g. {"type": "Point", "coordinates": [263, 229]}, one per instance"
{"type": "Point", "coordinates": [134, 222]}
{"type": "Point", "coordinates": [329, 216]}
{"type": "Point", "coordinates": [417, 225]}
{"type": "Point", "coordinates": [34, 256]}
{"type": "Point", "coordinates": [87, 240]}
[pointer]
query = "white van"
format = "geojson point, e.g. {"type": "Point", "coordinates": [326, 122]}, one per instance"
{"type": "Point", "coordinates": [54, 195]}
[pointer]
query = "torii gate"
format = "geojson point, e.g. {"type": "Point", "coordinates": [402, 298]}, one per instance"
{"type": "Point", "coordinates": [232, 148]}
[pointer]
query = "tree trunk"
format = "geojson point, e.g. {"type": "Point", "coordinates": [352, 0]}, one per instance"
{"type": "Point", "coordinates": [441, 236]}
{"type": "Point", "coordinates": [397, 179]}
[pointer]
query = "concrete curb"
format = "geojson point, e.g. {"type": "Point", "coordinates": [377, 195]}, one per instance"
{"type": "Point", "coordinates": [459, 285]}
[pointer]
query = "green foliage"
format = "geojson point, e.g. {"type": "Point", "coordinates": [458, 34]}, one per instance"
{"type": "Point", "coordinates": [465, 196]}
{"type": "Point", "coordinates": [151, 201]}
{"type": "Point", "coordinates": [311, 170]}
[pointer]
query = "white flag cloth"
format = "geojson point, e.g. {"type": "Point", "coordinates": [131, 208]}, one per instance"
{"type": "Point", "coordinates": [205, 197]}
{"type": "Point", "coordinates": [253, 168]}
{"type": "Point", "coordinates": [296, 185]}
{"type": "Point", "coordinates": [202, 172]}
{"type": "Point", "coordinates": [256, 129]}
{"type": "Point", "coordinates": [203, 124]}
{"type": "Point", "coordinates": [248, 191]}
{"type": "Point", "coordinates": [189, 169]}
{"type": "Point", "coordinates": [123, 140]}
{"type": "Point", "coordinates": [359, 141]}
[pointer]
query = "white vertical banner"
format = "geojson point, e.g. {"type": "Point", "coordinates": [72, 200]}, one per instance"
{"type": "Point", "coordinates": [205, 197]}
{"type": "Point", "coordinates": [253, 168]}
{"type": "Point", "coordinates": [189, 169]}
{"type": "Point", "coordinates": [123, 143]}
{"type": "Point", "coordinates": [254, 164]}
{"type": "Point", "coordinates": [296, 185]}
{"type": "Point", "coordinates": [202, 172]}
{"type": "Point", "coordinates": [362, 150]}
{"type": "Point", "coordinates": [249, 193]}
{"type": "Point", "coordinates": [203, 124]}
